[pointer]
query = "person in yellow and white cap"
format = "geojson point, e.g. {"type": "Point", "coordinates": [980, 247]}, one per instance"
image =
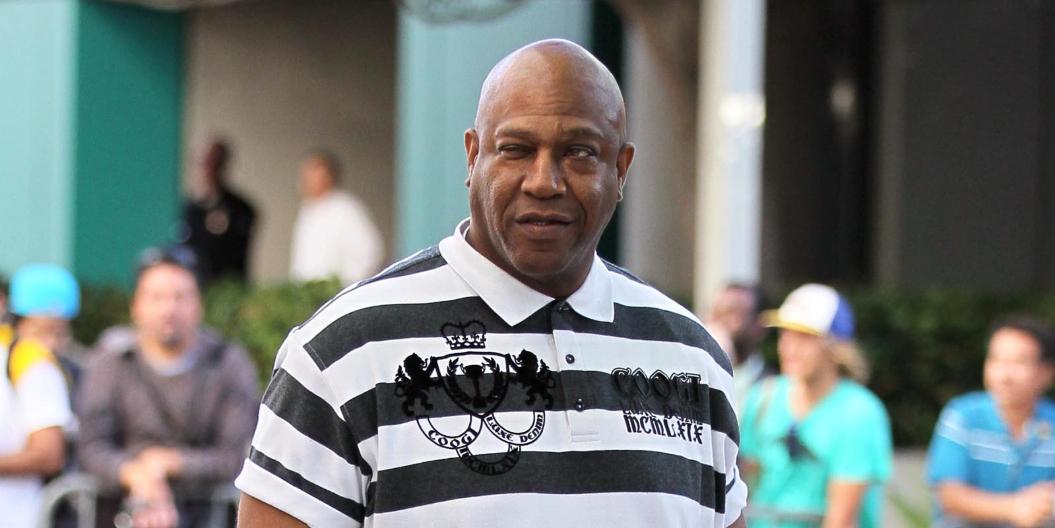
{"type": "Point", "coordinates": [817, 441]}
{"type": "Point", "coordinates": [34, 401]}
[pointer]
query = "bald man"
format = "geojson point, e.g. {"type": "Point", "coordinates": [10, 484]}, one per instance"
{"type": "Point", "coordinates": [507, 376]}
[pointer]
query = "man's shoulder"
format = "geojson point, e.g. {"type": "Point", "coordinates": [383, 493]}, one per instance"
{"type": "Point", "coordinates": [621, 271]}
{"type": "Point", "coordinates": [971, 405]}
{"type": "Point", "coordinates": [367, 292]}
{"type": "Point", "coordinates": [107, 364]}
{"type": "Point", "coordinates": [631, 291]}
{"type": "Point", "coordinates": [973, 411]}
{"type": "Point", "coordinates": [642, 306]}
{"type": "Point", "coordinates": [236, 200]}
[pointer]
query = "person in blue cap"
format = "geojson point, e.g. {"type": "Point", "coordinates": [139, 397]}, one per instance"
{"type": "Point", "coordinates": [34, 400]}
{"type": "Point", "coordinates": [816, 439]}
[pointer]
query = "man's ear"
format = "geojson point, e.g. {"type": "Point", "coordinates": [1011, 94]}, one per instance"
{"type": "Point", "coordinates": [472, 150]}
{"type": "Point", "coordinates": [622, 164]}
{"type": "Point", "coordinates": [1047, 373]}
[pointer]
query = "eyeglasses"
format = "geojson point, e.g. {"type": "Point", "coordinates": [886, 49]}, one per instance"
{"type": "Point", "coordinates": [792, 442]}
{"type": "Point", "coordinates": [175, 255]}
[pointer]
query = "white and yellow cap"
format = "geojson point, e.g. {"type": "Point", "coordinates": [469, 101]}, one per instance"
{"type": "Point", "coordinates": [814, 309]}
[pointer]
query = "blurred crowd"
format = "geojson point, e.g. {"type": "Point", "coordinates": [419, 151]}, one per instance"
{"type": "Point", "coordinates": [158, 415]}
{"type": "Point", "coordinates": [155, 417]}
{"type": "Point", "coordinates": [816, 443]}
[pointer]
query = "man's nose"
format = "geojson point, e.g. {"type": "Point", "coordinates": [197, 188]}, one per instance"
{"type": "Point", "coordinates": [546, 177]}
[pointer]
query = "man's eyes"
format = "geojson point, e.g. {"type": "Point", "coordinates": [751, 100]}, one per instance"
{"type": "Point", "coordinates": [512, 150]}
{"type": "Point", "coordinates": [573, 152]}
{"type": "Point", "coordinates": [581, 151]}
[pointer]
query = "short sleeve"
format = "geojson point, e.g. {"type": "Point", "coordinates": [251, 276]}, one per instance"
{"type": "Point", "coordinates": [735, 489]}
{"type": "Point", "coordinates": [303, 459]}
{"type": "Point", "coordinates": [863, 452]}
{"type": "Point", "coordinates": [43, 398]}
{"type": "Point", "coordinates": [948, 457]}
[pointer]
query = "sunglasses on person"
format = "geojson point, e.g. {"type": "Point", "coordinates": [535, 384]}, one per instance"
{"type": "Point", "coordinates": [796, 449]}
{"type": "Point", "coordinates": [181, 256]}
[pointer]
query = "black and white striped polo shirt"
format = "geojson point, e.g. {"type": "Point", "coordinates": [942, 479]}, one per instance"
{"type": "Point", "coordinates": [445, 393]}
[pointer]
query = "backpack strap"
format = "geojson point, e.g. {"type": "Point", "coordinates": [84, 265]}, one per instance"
{"type": "Point", "coordinates": [8, 367]}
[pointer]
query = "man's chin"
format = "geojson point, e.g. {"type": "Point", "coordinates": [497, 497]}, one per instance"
{"type": "Point", "coordinates": [173, 341]}
{"type": "Point", "coordinates": [541, 266]}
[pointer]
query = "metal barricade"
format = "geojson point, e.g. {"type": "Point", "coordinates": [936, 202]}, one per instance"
{"type": "Point", "coordinates": [82, 492]}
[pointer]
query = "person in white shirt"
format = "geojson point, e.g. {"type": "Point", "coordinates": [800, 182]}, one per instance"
{"type": "Point", "coordinates": [34, 399]}
{"type": "Point", "coordinates": [333, 235]}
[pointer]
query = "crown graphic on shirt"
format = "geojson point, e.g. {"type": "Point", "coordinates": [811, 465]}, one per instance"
{"type": "Point", "coordinates": [470, 335]}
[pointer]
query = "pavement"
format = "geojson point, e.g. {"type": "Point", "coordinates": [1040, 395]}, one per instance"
{"type": "Point", "coordinates": [908, 487]}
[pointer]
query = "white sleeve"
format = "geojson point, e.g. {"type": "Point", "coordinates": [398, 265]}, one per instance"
{"type": "Point", "coordinates": [303, 460]}
{"type": "Point", "coordinates": [43, 399]}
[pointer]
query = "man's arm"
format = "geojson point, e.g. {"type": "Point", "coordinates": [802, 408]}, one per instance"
{"type": "Point", "coordinates": [1028, 507]}
{"type": "Point", "coordinates": [43, 454]}
{"type": "Point", "coordinates": [844, 504]}
{"type": "Point", "coordinates": [97, 448]}
{"type": "Point", "coordinates": [253, 513]}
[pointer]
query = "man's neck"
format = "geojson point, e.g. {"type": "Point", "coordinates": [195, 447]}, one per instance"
{"type": "Point", "coordinates": [1016, 417]}
{"type": "Point", "coordinates": [321, 196]}
{"type": "Point", "coordinates": [806, 394]}
{"type": "Point", "coordinates": [157, 352]}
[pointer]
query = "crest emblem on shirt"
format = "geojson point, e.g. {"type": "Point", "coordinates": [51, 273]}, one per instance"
{"type": "Point", "coordinates": [477, 382]}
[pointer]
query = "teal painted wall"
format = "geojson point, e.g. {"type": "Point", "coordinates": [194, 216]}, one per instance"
{"type": "Point", "coordinates": [36, 98]}
{"type": "Point", "coordinates": [129, 93]}
{"type": "Point", "coordinates": [441, 68]}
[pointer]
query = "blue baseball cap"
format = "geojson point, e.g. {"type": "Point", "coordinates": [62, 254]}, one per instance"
{"type": "Point", "coordinates": [814, 309]}
{"type": "Point", "coordinates": [45, 290]}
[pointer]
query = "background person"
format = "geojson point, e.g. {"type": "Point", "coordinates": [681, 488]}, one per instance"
{"type": "Point", "coordinates": [333, 235]}
{"type": "Point", "coordinates": [217, 222]}
{"type": "Point", "coordinates": [174, 413]}
{"type": "Point", "coordinates": [735, 321]}
{"type": "Point", "coordinates": [34, 402]}
{"type": "Point", "coordinates": [818, 441]}
{"type": "Point", "coordinates": [992, 457]}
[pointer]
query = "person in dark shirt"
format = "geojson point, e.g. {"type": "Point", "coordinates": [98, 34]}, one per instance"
{"type": "Point", "coordinates": [218, 223]}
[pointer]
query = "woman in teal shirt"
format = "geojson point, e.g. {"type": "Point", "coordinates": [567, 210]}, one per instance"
{"type": "Point", "coordinates": [816, 441]}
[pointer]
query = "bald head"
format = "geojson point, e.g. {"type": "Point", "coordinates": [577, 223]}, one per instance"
{"type": "Point", "coordinates": [559, 72]}
{"type": "Point", "coordinates": [547, 160]}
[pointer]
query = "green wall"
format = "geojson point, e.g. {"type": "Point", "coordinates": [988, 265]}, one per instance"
{"type": "Point", "coordinates": [90, 128]}
{"type": "Point", "coordinates": [36, 98]}
{"type": "Point", "coordinates": [441, 68]}
{"type": "Point", "coordinates": [128, 131]}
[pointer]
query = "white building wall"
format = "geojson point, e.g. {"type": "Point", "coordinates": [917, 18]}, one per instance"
{"type": "Point", "coordinates": [278, 78]}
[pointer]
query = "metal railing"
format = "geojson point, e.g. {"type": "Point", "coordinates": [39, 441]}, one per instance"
{"type": "Point", "coordinates": [82, 492]}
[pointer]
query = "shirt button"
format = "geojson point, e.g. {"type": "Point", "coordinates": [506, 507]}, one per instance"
{"type": "Point", "coordinates": [579, 405]}
{"type": "Point", "coordinates": [569, 358]}
{"type": "Point", "coordinates": [562, 307]}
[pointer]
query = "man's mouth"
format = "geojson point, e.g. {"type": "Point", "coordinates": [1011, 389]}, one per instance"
{"type": "Point", "coordinates": [543, 225]}
{"type": "Point", "coordinates": [541, 219]}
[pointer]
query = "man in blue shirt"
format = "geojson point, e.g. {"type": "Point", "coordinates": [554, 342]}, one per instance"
{"type": "Point", "coordinates": [992, 458]}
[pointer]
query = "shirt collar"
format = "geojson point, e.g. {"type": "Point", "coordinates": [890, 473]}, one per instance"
{"type": "Point", "coordinates": [515, 301]}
